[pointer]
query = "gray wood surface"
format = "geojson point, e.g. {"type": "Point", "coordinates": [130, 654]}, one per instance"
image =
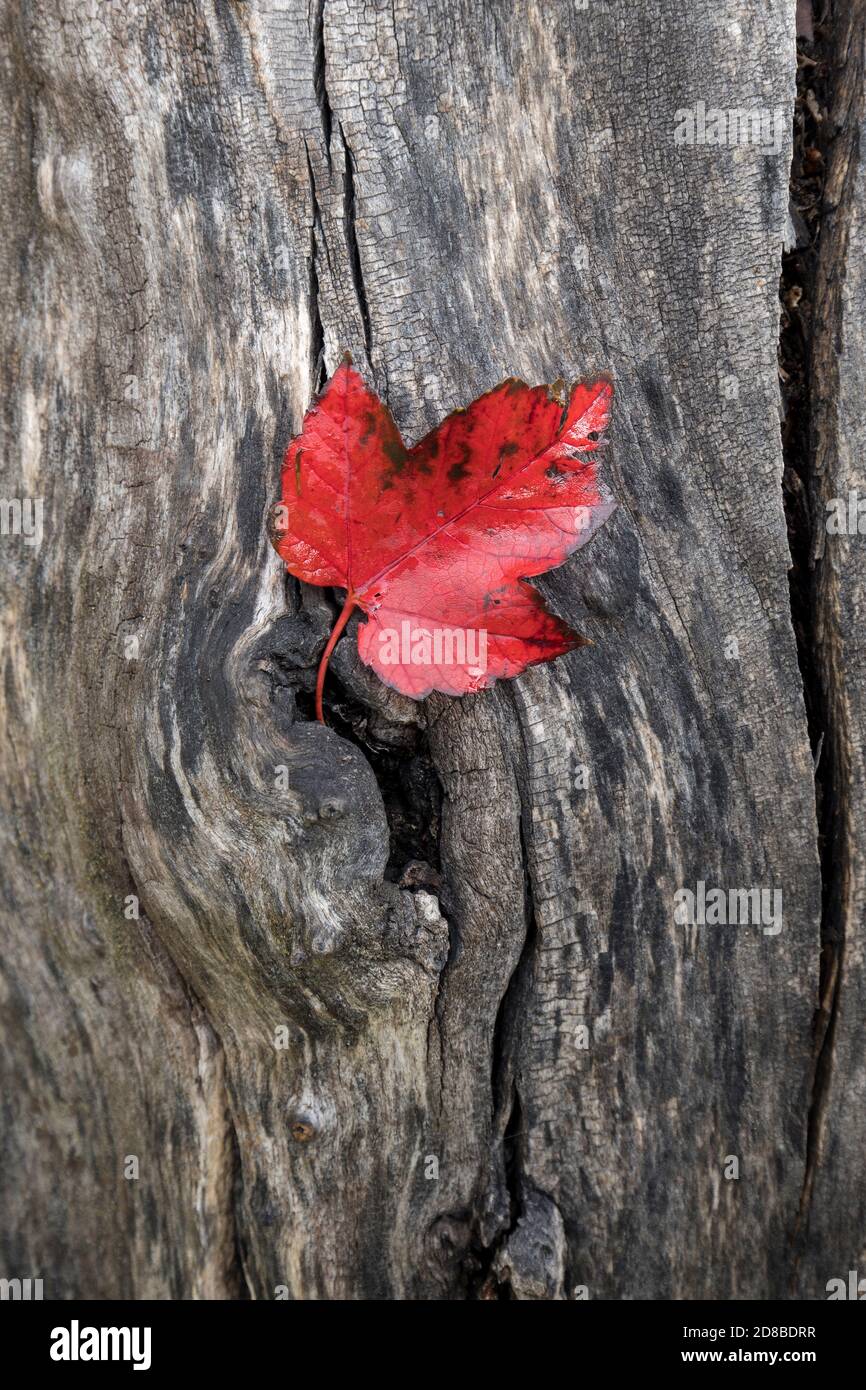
{"type": "Point", "coordinates": [340, 1081]}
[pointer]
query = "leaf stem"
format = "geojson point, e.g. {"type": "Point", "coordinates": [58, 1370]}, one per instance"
{"type": "Point", "coordinates": [334, 638]}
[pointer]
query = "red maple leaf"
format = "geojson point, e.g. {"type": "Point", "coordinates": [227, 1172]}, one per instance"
{"type": "Point", "coordinates": [433, 542]}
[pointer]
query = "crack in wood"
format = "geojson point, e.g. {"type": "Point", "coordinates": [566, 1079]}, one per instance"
{"type": "Point", "coordinates": [352, 247]}
{"type": "Point", "coordinates": [824, 169]}
{"type": "Point", "coordinates": [320, 77]}
{"type": "Point", "coordinates": [318, 371]}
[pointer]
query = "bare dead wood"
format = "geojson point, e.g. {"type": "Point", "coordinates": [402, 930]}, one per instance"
{"type": "Point", "coordinates": [207, 204]}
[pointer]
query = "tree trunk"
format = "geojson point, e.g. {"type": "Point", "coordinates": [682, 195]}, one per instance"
{"type": "Point", "coordinates": [399, 1007]}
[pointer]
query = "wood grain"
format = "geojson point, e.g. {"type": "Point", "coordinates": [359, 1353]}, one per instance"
{"type": "Point", "coordinates": [338, 1085]}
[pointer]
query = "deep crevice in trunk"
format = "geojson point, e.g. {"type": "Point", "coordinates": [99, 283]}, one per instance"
{"type": "Point", "coordinates": [317, 330]}
{"type": "Point", "coordinates": [407, 780]}
{"type": "Point", "coordinates": [352, 247]}
{"type": "Point", "coordinates": [812, 138]}
{"type": "Point", "coordinates": [320, 76]}
{"type": "Point", "coordinates": [505, 1086]}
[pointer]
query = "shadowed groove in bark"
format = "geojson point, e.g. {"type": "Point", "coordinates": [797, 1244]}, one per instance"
{"type": "Point", "coordinates": [505, 1085]}
{"type": "Point", "coordinates": [243, 1283]}
{"type": "Point", "coordinates": [320, 76]}
{"type": "Point", "coordinates": [406, 778]}
{"type": "Point", "coordinates": [817, 78]}
{"type": "Point", "coordinates": [354, 251]}
{"type": "Point", "coordinates": [234, 1270]}
{"type": "Point", "coordinates": [317, 331]}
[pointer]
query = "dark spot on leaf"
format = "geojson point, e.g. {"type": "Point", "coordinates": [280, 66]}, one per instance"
{"type": "Point", "coordinates": [394, 449]}
{"type": "Point", "coordinates": [462, 467]}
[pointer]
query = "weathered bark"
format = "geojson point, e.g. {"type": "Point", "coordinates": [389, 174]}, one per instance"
{"type": "Point", "coordinates": [206, 204]}
{"type": "Point", "coordinates": [834, 1195]}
